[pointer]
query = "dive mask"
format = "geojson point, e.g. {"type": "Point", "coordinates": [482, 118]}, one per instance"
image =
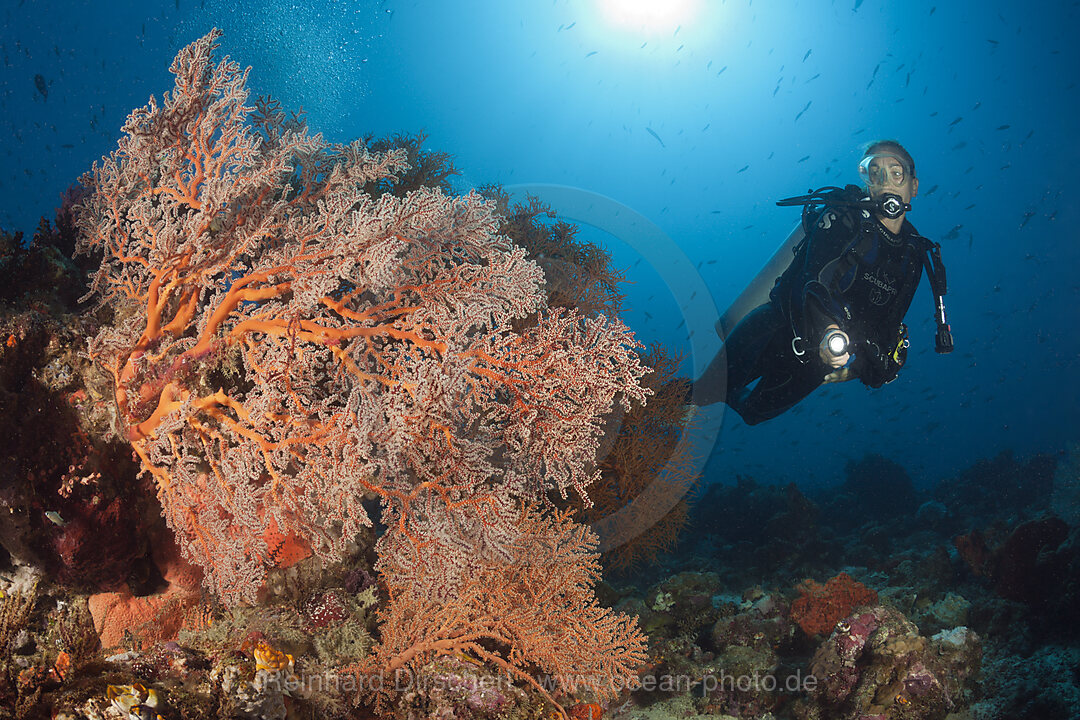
{"type": "Point", "coordinates": [884, 170]}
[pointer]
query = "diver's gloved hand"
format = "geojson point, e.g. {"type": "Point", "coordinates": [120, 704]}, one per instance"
{"type": "Point", "coordinates": [833, 349]}
{"type": "Point", "coordinates": [840, 375]}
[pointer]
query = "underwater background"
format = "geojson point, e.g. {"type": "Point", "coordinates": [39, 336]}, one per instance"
{"type": "Point", "coordinates": [697, 116]}
{"type": "Point", "coordinates": [669, 130]}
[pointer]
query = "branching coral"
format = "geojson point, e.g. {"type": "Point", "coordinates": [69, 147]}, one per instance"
{"type": "Point", "coordinates": [295, 335]}
{"type": "Point", "coordinates": [293, 342]}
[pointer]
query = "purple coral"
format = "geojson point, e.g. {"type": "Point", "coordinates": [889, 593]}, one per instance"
{"type": "Point", "coordinates": [851, 635]}
{"type": "Point", "coordinates": [919, 680]}
{"type": "Point", "coordinates": [873, 657]}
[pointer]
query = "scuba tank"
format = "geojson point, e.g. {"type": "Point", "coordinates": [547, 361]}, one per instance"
{"type": "Point", "coordinates": [757, 292]}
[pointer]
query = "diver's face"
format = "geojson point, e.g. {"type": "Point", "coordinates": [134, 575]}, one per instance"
{"type": "Point", "coordinates": [886, 174]}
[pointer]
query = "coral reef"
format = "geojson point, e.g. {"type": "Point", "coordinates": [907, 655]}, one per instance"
{"type": "Point", "coordinates": [647, 450]}
{"type": "Point", "coordinates": [650, 453]}
{"type": "Point", "coordinates": [878, 487]}
{"type": "Point", "coordinates": [300, 339]}
{"type": "Point", "coordinates": [997, 483]}
{"type": "Point", "coordinates": [1065, 496]}
{"type": "Point", "coordinates": [876, 665]}
{"type": "Point", "coordinates": [532, 610]}
{"type": "Point", "coordinates": [290, 343]}
{"type": "Point", "coordinates": [819, 607]}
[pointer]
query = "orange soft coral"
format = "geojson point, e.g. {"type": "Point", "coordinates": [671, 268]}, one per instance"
{"type": "Point", "coordinates": [819, 607]}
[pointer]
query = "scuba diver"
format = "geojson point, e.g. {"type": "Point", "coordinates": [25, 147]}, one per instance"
{"type": "Point", "coordinates": [836, 312]}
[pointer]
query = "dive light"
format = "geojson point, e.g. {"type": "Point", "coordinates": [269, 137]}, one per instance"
{"type": "Point", "coordinates": [836, 341]}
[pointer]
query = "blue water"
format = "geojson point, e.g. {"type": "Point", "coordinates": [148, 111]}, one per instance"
{"type": "Point", "coordinates": [747, 102]}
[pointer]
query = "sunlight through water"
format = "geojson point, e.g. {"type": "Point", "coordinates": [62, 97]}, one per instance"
{"type": "Point", "coordinates": [649, 16]}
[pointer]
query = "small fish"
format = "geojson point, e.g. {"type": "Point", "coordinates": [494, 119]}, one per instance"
{"type": "Point", "coordinates": [930, 191]}
{"type": "Point", "coordinates": [590, 54]}
{"type": "Point", "coordinates": [857, 4]}
{"type": "Point", "coordinates": [952, 234]}
{"type": "Point", "coordinates": [958, 119]}
{"type": "Point", "coordinates": [722, 70]}
{"type": "Point", "coordinates": [41, 86]}
{"type": "Point", "coordinates": [803, 110]}
{"type": "Point", "coordinates": [706, 127]}
{"type": "Point", "coordinates": [1003, 127]}
{"type": "Point", "coordinates": [814, 77]}
{"type": "Point", "coordinates": [804, 158]}
{"type": "Point", "coordinates": [807, 54]}
{"type": "Point", "coordinates": [743, 169]}
{"type": "Point", "coordinates": [1027, 217]}
{"type": "Point", "coordinates": [571, 25]}
{"type": "Point", "coordinates": [653, 133]}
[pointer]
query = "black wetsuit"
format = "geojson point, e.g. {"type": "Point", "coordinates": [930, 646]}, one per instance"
{"type": "Point", "coordinates": [852, 272]}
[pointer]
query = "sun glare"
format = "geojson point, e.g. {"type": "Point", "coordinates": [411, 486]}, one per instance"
{"type": "Point", "coordinates": [649, 15]}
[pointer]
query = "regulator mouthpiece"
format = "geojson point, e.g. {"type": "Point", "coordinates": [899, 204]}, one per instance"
{"type": "Point", "coordinates": [892, 206]}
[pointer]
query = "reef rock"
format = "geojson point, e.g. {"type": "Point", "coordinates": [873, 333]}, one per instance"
{"type": "Point", "coordinates": [875, 665]}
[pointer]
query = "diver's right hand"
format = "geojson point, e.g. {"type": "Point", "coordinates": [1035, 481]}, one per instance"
{"type": "Point", "coordinates": [827, 356]}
